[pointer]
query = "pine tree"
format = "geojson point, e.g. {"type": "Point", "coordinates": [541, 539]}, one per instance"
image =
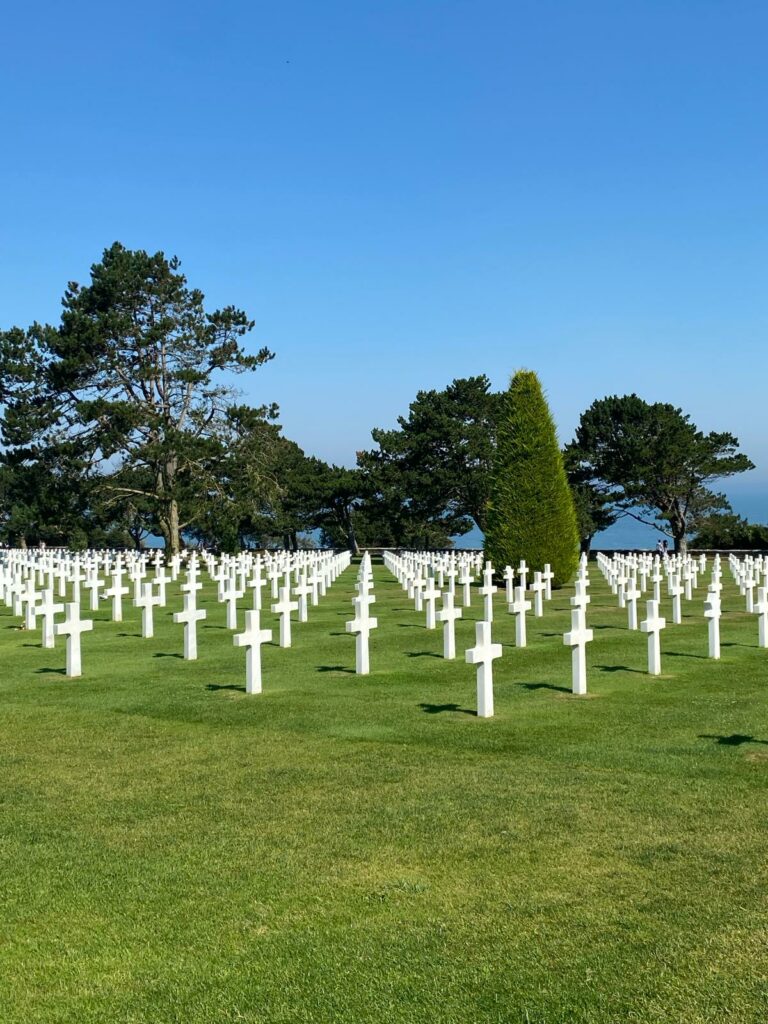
{"type": "Point", "coordinates": [531, 514]}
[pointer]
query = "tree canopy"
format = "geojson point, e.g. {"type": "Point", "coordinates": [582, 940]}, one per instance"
{"type": "Point", "coordinates": [655, 463]}
{"type": "Point", "coordinates": [132, 377]}
{"type": "Point", "coordinates": [530, 513]}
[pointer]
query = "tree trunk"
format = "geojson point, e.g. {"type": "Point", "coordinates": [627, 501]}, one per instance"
{"type": "Point", "coordinates": [174, 534]}
{"type": "Point", "coordinates": [585, 544]}
{"type": "Point", "coordinates": [680, 543]}
{"type": "Point", "coordinates": [352, 539]}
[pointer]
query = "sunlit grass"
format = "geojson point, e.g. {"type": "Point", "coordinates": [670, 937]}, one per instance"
{"type": "Point", "coordinates": [344, 849]}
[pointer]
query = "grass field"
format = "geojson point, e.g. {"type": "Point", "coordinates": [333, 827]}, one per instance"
{"type": "Point", "coordinates": [355, 850]}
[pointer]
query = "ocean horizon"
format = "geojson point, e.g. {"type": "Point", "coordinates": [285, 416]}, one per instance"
{"type": "Point", "coordinates": [752, 504]}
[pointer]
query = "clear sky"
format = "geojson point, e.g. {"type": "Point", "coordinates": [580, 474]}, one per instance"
{"type": "Point", "coordinates": [407, 191]}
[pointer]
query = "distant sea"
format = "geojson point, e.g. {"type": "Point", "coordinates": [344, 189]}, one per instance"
{"type": "Point", "coordinates": [628, 533]}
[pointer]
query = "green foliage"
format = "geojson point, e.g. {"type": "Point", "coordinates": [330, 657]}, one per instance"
{"type": "Point", "coordinates": [133, 377]}
{"type": "Point", "coordinates": [530, 514]}
{"type": "Point", "coordinates": [593, 502]}
{"type": "Point", "coordinates": [730, 531]}
{"type": "Point", "coordinates": [431, 473]}
{"type": "Point", "coordinates": [656, 463]}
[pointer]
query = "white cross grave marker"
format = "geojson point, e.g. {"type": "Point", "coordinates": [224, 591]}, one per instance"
{"type": "Point", "coordinates": [653, 625]}
{"type": "Point", "coordinates": [283, 608]}
{"type": "Point", "coordinates": [189, 618]}
{"type": "Point", "coordinates": [483, 655]}
{"type": "Point", "coordinates": [361, 626]}
{"type": "Point", "coordinates": [488, 590]}
{"type": "Point", "coordinates": [577, 639]}
{"type": "Point", "coordinates": [252, 639]}
{"type": "Point", "coordinates": [518, 608]}
{"type": "Point", "coordinates": [712, 612]}
{"type": "Point", "coordinates": [72, 627]}
{"type": "Point", "coordinates": [448, 615]}
{"type": "Point", "coordinates": [147, 603]}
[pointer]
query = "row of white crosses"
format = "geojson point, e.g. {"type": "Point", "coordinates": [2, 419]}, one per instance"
{"type": "Point", "coordinates": [420, 574]}
{"type": "Point", "coordinates": [253, 636]}
{"type": "Point", "coordinates": [682, 573]}
{"type": "Point", "coordinates": [363, 622]}
{"type": "Point", "coordinates": [22, 570]}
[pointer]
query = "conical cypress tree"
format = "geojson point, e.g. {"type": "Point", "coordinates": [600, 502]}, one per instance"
{"type": "Point", "coordinates": [531, 514]}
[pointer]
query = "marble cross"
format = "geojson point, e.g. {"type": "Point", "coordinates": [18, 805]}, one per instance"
{"type": "Point", "coordinates": [509, 583]}
{"type": "Point", "coordinates": [116, 592]}
{"type": "Point", "coordinates": [72, 627]}
{"type": "Point", "coordinates": [631, 597]}
{"type": "Point", "coordinates": [653, 625]}
{"type": "Point", "coordinates": [252, 639]}
{"type": "Point", "coordinates": [488, 590]}
{"type": "Point", "coordinates": [676, 592]}
{"type": "Point", "coordinates": [548, 576]}
{"type": "Point", "coordinates": [761, 607]}
{"type": "Point", "coordinates": [46, 610]}
{"type": "Point", "coordinates": [465, 582]}
{"type": "Point", "coordinates": [361, 626]}
{"type": "Point", "coordinates": [430, 596]}
{"type": "Point", "coordinates": [448, 615]}
{"type": "Point", "coordinates": [231, 595]}
{"type": "Point", "coordinates": [537, 588]}
{"type": "Point", "coordinates": [283, 608]}
{"type": "Point", "coordinates": [518, 608]}
{"type": "Point", "coordinates": [483, 654]}
{"type": "Point", "coordinates": [147, 602]}
{"type": "Point", "coordinates": [712, 612]}
{"type": "Point", "coordinates": [189, 618]}
{"type": "Point", "coordinates": [303, 590]}
{"type": "Point", "coordinates": [577, 639]}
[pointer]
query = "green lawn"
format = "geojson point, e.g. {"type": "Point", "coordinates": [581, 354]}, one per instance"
{"type": "Point", "coordinates": [344, 849]}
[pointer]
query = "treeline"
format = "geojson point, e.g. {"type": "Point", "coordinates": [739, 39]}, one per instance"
{"type": "Point", "coordinates": [122, 422]}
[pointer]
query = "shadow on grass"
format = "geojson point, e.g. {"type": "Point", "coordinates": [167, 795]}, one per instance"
{"type": "Point", "coordinates": [423, 654]}
{"type": "Point", "coordinates": [129, 634]}
{"type": "Point", "coordinates": [31, 645]}
{"type": "Point", "coordinates": [734, 740]}
{"type": "Point", "coordinates": [683, 654]}
{"type": "Point", "coordinates": [164, 654]}
{"type": "Point", "coordinates": [50, 671]}
{"type": "Point", "coordinates": [336, 668]}
{"type": "Point", "coordinates": [621, 668]}
{"type": "Point", "coordinates": [410, 625]}
{"type": "Point", "coordinates": [438, 709]}
{"type": "Point", "coordinates": [207, 625]}
{"type": "Point", "coordinates": [224, 686]}
{"type": "Point", "coordinates": [544, 686]}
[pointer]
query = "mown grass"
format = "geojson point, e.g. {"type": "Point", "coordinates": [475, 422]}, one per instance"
{"type": "Point", "coordinates": [355, 850]}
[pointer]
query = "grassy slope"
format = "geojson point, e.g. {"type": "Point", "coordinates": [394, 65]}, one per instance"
{"type": "Point", "coordinates": [354, 850]}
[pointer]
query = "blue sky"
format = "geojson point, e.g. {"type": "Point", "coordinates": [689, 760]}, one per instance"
{"type": "Point", "coordinates": [401, 193]}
